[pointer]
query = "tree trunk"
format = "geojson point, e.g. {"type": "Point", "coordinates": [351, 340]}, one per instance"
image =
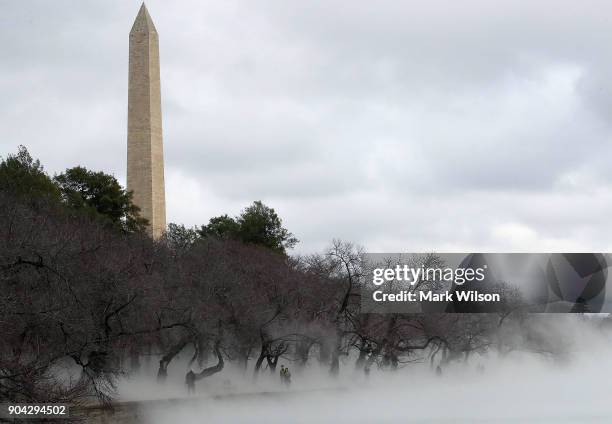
{"type": "Point", "coordinates": [334, 368]}
{"type": "Point", "coordinates": [260, 359]}
{"type": "Point", "coordinates": [324, 352]}
{"type": "Point", "coordinates": [272, 362]}
{"type": "Point", "coordinates": [207, 372]}
{"type": "Point", "coordinates": [134, 360]}
{"type": "Point", "coordinates": [363, 354]}
{"type": "Point", "coordinates": [202, 352]}
{"type": "Point", "coordinates": [303, 352]}
{"type": "Point", "coordinates": [245, 352]}
{"type": "Point", "coordinates": [162, 372]}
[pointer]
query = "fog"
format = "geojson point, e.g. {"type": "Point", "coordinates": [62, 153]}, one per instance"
{"type": "Point", "coordinates": [526, 387]}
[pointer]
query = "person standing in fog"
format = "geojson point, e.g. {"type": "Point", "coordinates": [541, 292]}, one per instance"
{"type": "Point", "coordinates": [287, 377]}
{"type": "Point", "coordinates": [438, 371]}
{"type": "Point", "coordinates": [190, 382]}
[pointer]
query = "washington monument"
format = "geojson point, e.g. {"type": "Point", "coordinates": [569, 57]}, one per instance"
{"type": "Point", "coordinates": [145, 151]}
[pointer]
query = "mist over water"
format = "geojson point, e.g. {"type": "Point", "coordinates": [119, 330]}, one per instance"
{"type": "Point", "coordinates": [521, 387]}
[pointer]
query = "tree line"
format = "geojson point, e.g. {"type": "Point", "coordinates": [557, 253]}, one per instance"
{"type": "Point", "coordinates": [82, 286]}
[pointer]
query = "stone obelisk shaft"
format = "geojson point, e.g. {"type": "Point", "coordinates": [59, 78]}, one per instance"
{"type": "Point", "coordinates": [145, 153]}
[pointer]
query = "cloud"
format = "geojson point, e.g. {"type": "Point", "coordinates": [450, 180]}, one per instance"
{"type": "Point", "coordinates": [399, 125]}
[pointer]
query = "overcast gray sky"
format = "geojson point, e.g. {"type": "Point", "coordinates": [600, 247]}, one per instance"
{"type": "Point", "coordinates": [400, 125]}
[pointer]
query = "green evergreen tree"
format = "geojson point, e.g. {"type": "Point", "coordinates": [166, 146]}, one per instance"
{"type": "Point", "coordinates": [100, 195]}
{"type": "Point", "coordinates": [22, 176]}
{"type": "Point", "coordinates": [221, 227]}
{"type": "Point", "coordinates": [257, 224]}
